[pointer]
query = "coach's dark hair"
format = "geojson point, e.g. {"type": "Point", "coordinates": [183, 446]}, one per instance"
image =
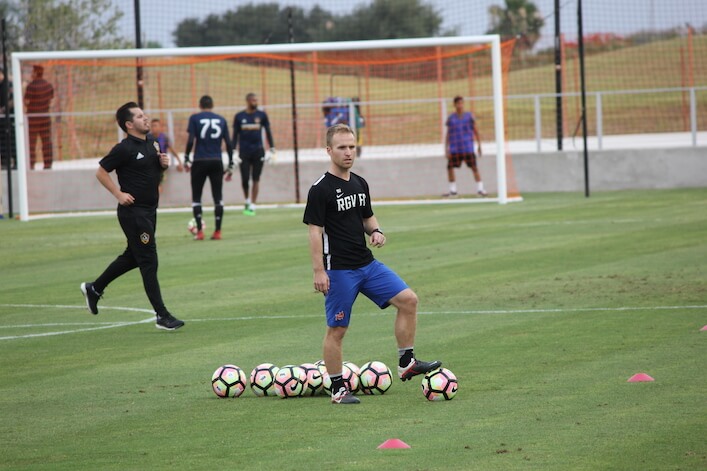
{"type": "Point", "coordinates": [125, 114]}
{"type": "Point", "coordinates": [206, 102]}
{"type": "Point", "coordinates": [458, 98]}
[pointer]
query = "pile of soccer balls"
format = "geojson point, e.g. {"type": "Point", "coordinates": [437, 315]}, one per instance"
{"type": "Point", "coordinates": [311, 379]}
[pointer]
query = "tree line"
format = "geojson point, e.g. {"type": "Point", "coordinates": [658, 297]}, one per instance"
{"type": "Point", "coordinates": [268, 23]}
{"type": "Point", "coordinates": [58, 25]}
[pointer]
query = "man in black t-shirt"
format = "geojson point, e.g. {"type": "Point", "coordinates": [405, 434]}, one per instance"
{"type": "Point", "coordinates": [139, 165]}
{"type": "Point", "coordinates": [339, 216]}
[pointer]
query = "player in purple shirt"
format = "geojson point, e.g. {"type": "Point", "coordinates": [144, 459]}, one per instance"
{"type": "Point", "coordinates": [459, 146]}
{"type": "Point", "coordinates": [165, 146]}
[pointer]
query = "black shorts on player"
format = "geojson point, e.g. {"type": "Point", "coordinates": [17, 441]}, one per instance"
{"type": "Point", "coordinates": [455, 160]}
{"type": "Point", "coordinates": [251, 167]}
{"type": "Point", "coordinates": [211, 169]}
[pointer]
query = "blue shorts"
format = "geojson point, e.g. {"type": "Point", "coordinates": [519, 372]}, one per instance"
{"type": "Point", "coordinates": [377, 282]}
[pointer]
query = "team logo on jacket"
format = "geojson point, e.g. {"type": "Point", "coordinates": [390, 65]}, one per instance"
{"type": "Point", "coordinates": [157, 146]}
{"type": "Point", "coordinates": [145, 238]}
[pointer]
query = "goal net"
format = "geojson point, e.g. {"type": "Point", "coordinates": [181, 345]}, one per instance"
{"type": "Point", "coordinates": [397, 95]}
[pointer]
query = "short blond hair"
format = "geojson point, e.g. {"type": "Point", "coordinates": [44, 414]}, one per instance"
{"type": "Point", "coordinates": [338, 129]}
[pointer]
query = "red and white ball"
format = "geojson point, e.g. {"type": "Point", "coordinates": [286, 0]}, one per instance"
{"type": "Point", "coordinates": [191, 226]}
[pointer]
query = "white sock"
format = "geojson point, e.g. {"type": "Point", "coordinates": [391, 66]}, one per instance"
{"type": "Point", "coordinates": [252, 206]}
{"type": "Point", "coordinates": [452, 187]}
{"type": "Point", "coordinates": [480, 186]}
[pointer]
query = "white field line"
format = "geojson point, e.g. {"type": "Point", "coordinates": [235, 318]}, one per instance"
{"type": "Point", "coordinates": [87, 329]}
{"type": "Point", "coordinates": [103, 325]}
{"type": "Point", "coordinates": [95, 325]}
{"type": "Point", "coordinates": [186, 209]}
{"type": "Point", "coordinates": [581, 309]}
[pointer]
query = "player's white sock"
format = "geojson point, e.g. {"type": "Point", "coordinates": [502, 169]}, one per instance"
{"type": "Point", "coordinates": [452, 187]}
{"type": "Point", "coordinates": [252, 206]}
{"type": "Point", "coordinates": [480, 186]}
{"type": "Point", "coordinates": [247, 203]}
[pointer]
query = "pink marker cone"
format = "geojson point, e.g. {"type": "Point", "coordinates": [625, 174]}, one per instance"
{"type": "Point", "coordinates": [640, 378]}
{"type": "Point", "coordinates": [393, 443]}
{"type": "Point", "coordinates": [703, 329]}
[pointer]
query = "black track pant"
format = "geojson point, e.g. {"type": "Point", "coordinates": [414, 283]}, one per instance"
{"type": "Point", "coordinates": [200, 171]}
{"type": "Point", "coordinates": [138, 224]}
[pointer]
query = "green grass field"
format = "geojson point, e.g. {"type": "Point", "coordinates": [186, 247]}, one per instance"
{"type": "Point", "coordinates": [543, 309]}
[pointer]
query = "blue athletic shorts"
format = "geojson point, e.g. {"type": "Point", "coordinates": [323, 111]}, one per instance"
{"type": "Point", "coordinates": [377, 282]}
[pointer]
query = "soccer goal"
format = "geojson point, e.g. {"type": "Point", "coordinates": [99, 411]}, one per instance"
{"type": "Point", "coordinates": [396, 94]}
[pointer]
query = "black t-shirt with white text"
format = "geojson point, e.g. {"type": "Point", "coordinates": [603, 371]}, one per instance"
{"type": "Point", "coordinates": [340, 206]}
{"type": "Point", "coordinates": [137, 164]}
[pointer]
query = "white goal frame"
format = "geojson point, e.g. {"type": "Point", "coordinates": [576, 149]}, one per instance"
{"type": "Point", "coordinates": [496, 76]}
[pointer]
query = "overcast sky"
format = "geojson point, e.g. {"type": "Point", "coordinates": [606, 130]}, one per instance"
{"type": "Point", "coordinates": [160, 17]}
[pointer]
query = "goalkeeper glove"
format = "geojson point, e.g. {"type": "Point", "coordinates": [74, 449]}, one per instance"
{"type": "Point", "coordinates": [229, 172]}
{"type": "Point", "coordinates": [187, 163]}
{"type": "Point", "coordinates": [269, 156]}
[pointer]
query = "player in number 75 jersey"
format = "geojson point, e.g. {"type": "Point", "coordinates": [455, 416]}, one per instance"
{"type": "Point", "coordinates": [208, 129]}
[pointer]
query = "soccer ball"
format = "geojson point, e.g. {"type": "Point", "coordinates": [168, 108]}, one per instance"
{"type": "Point", "coordinates": [191, 226]}
{"type": "Point", "coordinates": [375, 378]}
{"type": "Point", "coordinates": [290, 381]}
{"type": "Point", "coordinates": [350, 373]}
{"type": "Point", "coordinates": [326, 380]}
{"type": "Point", "coordinates": [262, 379]}
{"type": "Point", "coordinates": [228, 381]}
{"type": "Point", "coordinates": [440, 384]}
{"type": "Point", "coordinates": [314, 379]}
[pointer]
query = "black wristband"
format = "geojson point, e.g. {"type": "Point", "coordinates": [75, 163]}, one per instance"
{"type": "Point", "coordinates": [377, 230]}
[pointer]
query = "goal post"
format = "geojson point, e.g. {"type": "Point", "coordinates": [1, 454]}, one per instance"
{"type": "Point", "coordinates": [96, 116]}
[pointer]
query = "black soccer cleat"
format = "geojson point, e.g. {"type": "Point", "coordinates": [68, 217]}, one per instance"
{"type": "Point", "coordinates": [91, 297]}
{"type": "Point", "coordinates": [417, 367]}
{"type": "Point", "coordinates": [168, 322]}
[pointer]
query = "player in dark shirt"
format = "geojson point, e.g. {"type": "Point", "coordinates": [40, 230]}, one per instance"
{"type": "Point", "coordinates": [339, 216]}
{"type": "Point", "coordinates": [37, 99]}
{"type": "Point", "coordinates": [139, 165]}
{"type": "Point", "coordinates": [208, 129]}
{"type": "Point", "coordinates": [248, 127]}
{"type": "Point", "coordinates": [7, 126]}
